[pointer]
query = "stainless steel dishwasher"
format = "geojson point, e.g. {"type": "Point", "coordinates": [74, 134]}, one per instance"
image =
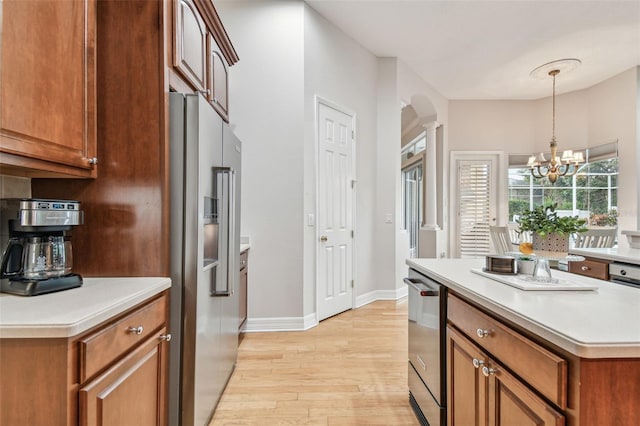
{"type": "Point", "coordinates": [427, 348]}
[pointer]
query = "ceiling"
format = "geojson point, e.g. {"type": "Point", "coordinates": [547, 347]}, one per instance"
{"type": "Point", "coordinates": [487, 49]}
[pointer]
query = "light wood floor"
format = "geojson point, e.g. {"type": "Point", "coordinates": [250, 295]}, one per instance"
{"type": "Point", "coordinates": [349, 370]}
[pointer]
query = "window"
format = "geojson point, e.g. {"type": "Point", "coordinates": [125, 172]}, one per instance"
{"type": "Point", "coordinates": [413, 189]}
{"type": "Point", "coordinates": [591, 193]}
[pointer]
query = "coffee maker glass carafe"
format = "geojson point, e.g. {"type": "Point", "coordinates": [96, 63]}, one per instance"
{"type": "Point", "coordinates": [37, 257]}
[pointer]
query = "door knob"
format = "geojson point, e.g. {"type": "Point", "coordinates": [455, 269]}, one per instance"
{"type": "Point", "coordinates": [323, 238]}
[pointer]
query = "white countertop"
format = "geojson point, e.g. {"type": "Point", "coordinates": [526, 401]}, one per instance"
{"type": "Point", "coordinates": [70, 312]}
{"type": "Point", "coordinates": [627, 255]}
{"type": "Point", "coordinates": [602, 323]}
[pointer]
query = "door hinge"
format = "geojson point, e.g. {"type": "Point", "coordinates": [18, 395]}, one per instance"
{"type": "Point", "coordinates": [352, 233]}
{"type": "Point", "coordinates": [353, 134]}
{"type": "Point", "coordinates": [352, 284]}
{"type": "Point", "coordinates": [353, 183]}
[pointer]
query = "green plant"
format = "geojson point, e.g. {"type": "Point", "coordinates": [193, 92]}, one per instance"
{"type": "Point", "coordinates": [526, 258]}
{"type": "Point", "coordinates": [544, 220]}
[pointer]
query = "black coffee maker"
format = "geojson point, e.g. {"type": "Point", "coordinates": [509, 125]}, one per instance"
{"type": "Point", "coordinates": [37, 258]}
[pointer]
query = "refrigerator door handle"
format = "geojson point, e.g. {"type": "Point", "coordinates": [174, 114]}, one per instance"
{"type": "Point", "coordinates": [224, 288]}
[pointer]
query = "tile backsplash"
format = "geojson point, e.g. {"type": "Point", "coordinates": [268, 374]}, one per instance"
{"type": "Point", "coordinates": [15, 187]}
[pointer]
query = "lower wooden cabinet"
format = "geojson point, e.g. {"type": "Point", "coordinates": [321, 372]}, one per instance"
{"type": "Point", "coordinates": [483, 392]}
{"type": "Point", "coordinates": [593, 268]}
{"type": "Point", "coordinates": [128, 393]}
{"type": "Point", "coordinates": [467, 397]}
{"type": "Point", "coordinates": [501, 374]}
{"type": "Point", "coordinates": [113, 374]}
{"type": "Point", "coordinates": [243, 287]}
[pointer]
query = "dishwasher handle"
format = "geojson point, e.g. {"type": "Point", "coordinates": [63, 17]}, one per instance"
{"type": "Point", "coordinates": [421, 287]}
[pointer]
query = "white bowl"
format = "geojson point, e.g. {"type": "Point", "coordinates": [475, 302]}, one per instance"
{"type": "Point", "coordinates": [633, 237]}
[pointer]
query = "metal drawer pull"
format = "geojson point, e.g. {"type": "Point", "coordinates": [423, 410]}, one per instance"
{"type": "Point", "coordinates": [585, 268]}
{"type": "Point", "coordinates": [135, 330]}
{"type": "Point", "coordinates": [482, 333]}
{"type": "Point", "coordinates": [477, 362]}
{"type": "Point", "coordinates": [165, 337]}
{"type": "Point", "coordinates": [489, 371]}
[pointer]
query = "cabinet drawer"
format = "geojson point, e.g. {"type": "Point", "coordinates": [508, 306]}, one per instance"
{"type": "Point", "coordinates": [542, 369]}
{"type": "Point", "coordinates": [590, 268]}
{"type": "Point", "coordinates": [100, 349]}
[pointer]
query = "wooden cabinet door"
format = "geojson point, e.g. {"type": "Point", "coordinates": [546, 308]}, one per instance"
{"type": "Point", "coordinates": [242, 289]}
{"type": "Point", "coordinates": [218, 80]}
{"type": "Point", "coordinates": [48, 81]}
{"type": "Point", "coordinates": [467, 387]}
{"type": "Point", "coordinates": [513, 403]}
{"type": "Point", "coordinates": [132, 392]}
{"type": "Point", "coordinates": [190, 44]}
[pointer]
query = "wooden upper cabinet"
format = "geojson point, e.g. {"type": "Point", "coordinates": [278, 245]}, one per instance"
{"type": "Point", "coordinates": [190, 44]}
{"type": "Point", "coordinates": [48, 88]}
{"type": "Point", "coordinates": [218, 80]}
{"type": "Point", "coordinates": [202, 53]}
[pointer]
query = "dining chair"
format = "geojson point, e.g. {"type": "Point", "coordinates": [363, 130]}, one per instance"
{"type": "Point", "coordinates": [501, 239]}
{"type": "Point", "coordinates": [516, 236]}
{"type": "Point", "coordinates": [601, 237]}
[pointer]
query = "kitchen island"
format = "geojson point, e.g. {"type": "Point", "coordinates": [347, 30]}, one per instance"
{"type": "Point", "coordinates": [94, 354]}
{"type": "Point", "coordinates": [614, 254]}
{"type": "Point", "coordinates": [538, 357]}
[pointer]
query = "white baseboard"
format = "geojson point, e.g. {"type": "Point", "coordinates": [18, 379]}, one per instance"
{"type": "Point", "coordinates": [280, 324]}
{"type": "Point", "coordinates": [372, 296]}
{"type": "Point", "coordinates": [259, 325]}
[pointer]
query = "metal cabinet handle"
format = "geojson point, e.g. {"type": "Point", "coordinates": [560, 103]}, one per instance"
{"type": "Point", "coordinates": [135, 330]}
{"type": "Point", "coordinates": [165, 337]}
{"type": "Point", "coordinates": [482, 333]}
{"type": "Point", "coordinates": [93, 161]}
{"type": "Point", "coordinates": [486, 371]}
{"type": "Point", "coordinates": [477, 362]}
{"type": "Point", "coordinates": [205, 92]}
{"type": "Point", "coordinates": [323, 238]}
{"type": "Point", "coordinates": [585, 268]}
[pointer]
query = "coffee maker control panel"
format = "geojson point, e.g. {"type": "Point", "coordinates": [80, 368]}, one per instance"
{"type": "Point", "coordinates": [40, 212]}
{"type": "Point", "coordinates": [35, 204]}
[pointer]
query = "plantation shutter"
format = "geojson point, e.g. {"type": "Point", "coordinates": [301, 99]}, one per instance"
{"type": "Point", "coordinates": [474, 180]}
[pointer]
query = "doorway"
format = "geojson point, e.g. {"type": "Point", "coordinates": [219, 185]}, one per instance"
{"type": "Point", "coordinates": [412, 190]}
{"type": "Point", "coordinates": [335, 178]}
{"type": "Point", "coordinates": [476, 192]}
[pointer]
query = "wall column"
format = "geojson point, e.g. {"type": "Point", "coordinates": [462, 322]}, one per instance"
{"type": "Point", "coordinates": [431, 199]}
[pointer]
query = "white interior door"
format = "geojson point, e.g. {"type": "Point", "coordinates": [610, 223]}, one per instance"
{"type": "Point", "coordinates": [476, 194]}
{"type": "Point", "coordinates": [335, 211]}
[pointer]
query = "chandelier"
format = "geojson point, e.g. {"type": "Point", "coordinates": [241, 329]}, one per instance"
{"type": "Point", "coordinates": [567, 165]}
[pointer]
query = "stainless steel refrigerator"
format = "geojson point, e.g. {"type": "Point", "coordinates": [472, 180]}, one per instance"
{"type": "Point", "coordinates": [205, 251]}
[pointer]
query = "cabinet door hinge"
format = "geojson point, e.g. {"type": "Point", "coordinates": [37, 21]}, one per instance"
{"type": "Point", "coordinates": [352, 284]}
{"type": "Point", "coordinates": [352, 233]}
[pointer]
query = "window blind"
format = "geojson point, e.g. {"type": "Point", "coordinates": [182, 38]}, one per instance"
{"type": "Point", "coordinates": [474, 202]}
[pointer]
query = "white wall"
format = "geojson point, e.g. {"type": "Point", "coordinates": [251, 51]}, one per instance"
{"type": "Point", "coordinates": [387, 165]}
{"type": "Point", "coordinates": [267, 110]}
{"type": "Point", "coordinates": [412, 89]}
{"type": "Point", "coordinates": [613, 112]}
{"type": "Point", "coordinates": [493, 125]}
{"type": "Point", "coordinates": [289, 54]}
{"type": "Point", "coordinates": [603, 113]}
{"type": "Point", "coordinates": [340, 71]}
